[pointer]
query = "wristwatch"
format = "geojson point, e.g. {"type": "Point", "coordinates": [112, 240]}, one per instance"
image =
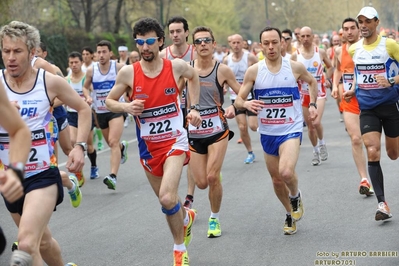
{"type": "Point", "coordinates": [81, 144]}
{"type": "Point", "coordinates": [19, 170]}
{"type": "Point", "coordinates": [313, 104]}
{"type": "Point", "coordinates": [391, 81]}
{"type": "Point", "coordinates": [195, 107]}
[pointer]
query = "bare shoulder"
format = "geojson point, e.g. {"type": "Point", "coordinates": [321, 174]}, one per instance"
{"type": "Point", "coordinates": [297, 67]}
{"type": "Point", "coordinates": [162, 53]}
{"type": "Point", "coordinates": [179, 64]}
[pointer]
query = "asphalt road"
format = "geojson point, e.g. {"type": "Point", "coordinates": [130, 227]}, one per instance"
{"type": "Point", "coordinates": [127, 227]}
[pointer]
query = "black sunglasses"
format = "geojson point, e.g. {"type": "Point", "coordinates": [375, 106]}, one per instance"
{"type": "Point", "coordinates": [287, 38]}
{"type": "Point", "coordinates": [205, 40]}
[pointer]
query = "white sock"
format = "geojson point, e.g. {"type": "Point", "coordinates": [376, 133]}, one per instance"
{"type": "Point", "coordinates": [316, 149]}
{"type": "Point", "coordinates": [186, 219]}
{"type": "Point", "coordinates": [215, 215]}
{"type": "Point", "coordinates": [181, 247]}
{"type": "Point", "coordinates": [321, 142]}
{"type": "Point", "coordinates": [364, 178]}
{"type": "Point", "coordinates": [73, 187]}
{"type": "Point", "coordinates": [293, 197]}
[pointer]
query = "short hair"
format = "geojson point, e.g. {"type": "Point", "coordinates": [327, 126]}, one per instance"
{"type": "Point", "coordinates": [87, 48]}
{"type": "Point", "coordinates": [178, 19]}
{"type": "Point", "coordinates": [43, 46]}
{"type": "Point", "coordinates": [287, 31]}
{"type": "Point", "coordinates": [146, 25]}
{"type": "Point", "coordinates": [350, 20]}
{"type": "Point", "coordinates": [75, 54]}
{"type": "Point", "coordinates": [269, 29]}
{"type": "Point", "coordinates": [104, 43]}
{"type": "Point", "coordinates": [202, 29]}
{"type": "Point", "coordinates": [17, 29]}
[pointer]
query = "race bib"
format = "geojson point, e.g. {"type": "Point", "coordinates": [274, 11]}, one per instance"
{"type": "Point", "coordinates": [347, 80]}
{"type": "Point", "coordinates": [211, 123]}
{"type": "Point", "coordinates": [277, 110]}
{"type": "Point", "coordinates": [366, 75]}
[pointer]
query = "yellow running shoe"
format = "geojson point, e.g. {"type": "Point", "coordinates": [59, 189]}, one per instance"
{"type": "Point", "coordinates": [180, 258]}
{"type": "Point", "coordinates": [297, 207]}
{"type": "Point", "coordinates": [289, 226]}
{"type": "Point", "coordinates": [81, 178]}
{"type": "Point", "coordinates": [214, 228]}
{"type": "Point", "coordinates": [188, 235]}
{"type": "Point", "coordinates": [76, 195]}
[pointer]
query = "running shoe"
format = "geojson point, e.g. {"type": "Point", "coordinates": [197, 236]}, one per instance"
{"type": "Point", "coordinates": [383, 212]}
{"type": "Point", "coordinates": [180, 258]}
{"type": "Point", "coordinates": [365, 188]}
{"type": "Point", "coordinates": [316, 158]}
{"type": "Point", "coordinates": [250, 158]}
{"type": "Point", "coordinates": [187, 229]}
{"type": "Point", "coordinates": [239, 141]}
{"type": "Point", "coordinates": [289, 225]}
{"type": "Point", "coordinates": [110, 182]}
{"type": "Point", "coordinates": [297, 207]}
{"type": "Point", "coordinates": [76, 195]}
{"type": "Point", "coordinates": [14, 246]}
{"type": "Point", "coordinates": [125, 144]}
{"type": "Point", "coordinates": [126, 123]}
{"type": "Point", "coordinates": [323, 152]}
{"type": "Point", "coordinates": [94, 172]}
{"type": "Point", "coordinates": [81, 178]}
{"type": "Point", "coordinates": [71, 264]}
{"type": "Point", "coordinates": [214, 228]}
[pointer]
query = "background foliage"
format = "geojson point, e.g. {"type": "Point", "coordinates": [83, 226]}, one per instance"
{"type": "Point", "coordinates": [68, 25]}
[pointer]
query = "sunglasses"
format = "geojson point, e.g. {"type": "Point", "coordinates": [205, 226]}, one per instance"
{"type": "Point", "coordinates": [205, 40]}
{"type": "Point", "coordinates": [287, 38]}
{"type": "Point", "coordinates": [149, 41]}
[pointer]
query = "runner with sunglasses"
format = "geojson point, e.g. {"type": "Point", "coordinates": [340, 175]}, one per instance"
{"type": "Point", "coordinates": [151, 86]}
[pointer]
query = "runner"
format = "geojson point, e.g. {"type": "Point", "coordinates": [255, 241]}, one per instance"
{"type": "Point", "coordinates": [162, 139]}
{"type": "Point", "coordinates": [278, 107]}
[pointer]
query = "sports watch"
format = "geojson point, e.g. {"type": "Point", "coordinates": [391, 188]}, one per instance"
{"type": "Point", "coordinates": [391, 81]}
{"type": "Point", "coordinates": [313, 104]}
{"type": "Point", "coordinates": [81, 144]}
{"type": "Point", "coordinates": [19, 170]}
{"type": "Point", "coordinates": [195, 107]}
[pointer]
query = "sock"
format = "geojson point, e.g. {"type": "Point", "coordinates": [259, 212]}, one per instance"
{"type": "Point", "coordinates": [186, 219]}
{"type": "Point", "coordinates": [364, 179]}
{"type": "Point", "coordinates": [73, 187]}
{"type": "Point", "coordinates": [250, 152]}
{"type": "Point", "coordinates": [113, 176]}
{"type": "Point", "coordinates": [180, 247]}
{"type": "Point", "coordinates": [288, 214]}
{"type": "Point", "coordinates": [377, 179]}
{"type": "Point", "coordinates": [99, 134]}
{"type": "Point", "coordinates": [321, 142]}
{"type": "Point", "coordinates": [21, 258]}
{"type": "Point", "coordinates": [214, 215]}
{"type": "Point", "coordinates": [296, 196]}
{"type": "Point", "coordinates": [93, 158]}
{"type": "Point", "coordinates": [316, 149]}
{"type": "Point", "coordinates": [190, 197]}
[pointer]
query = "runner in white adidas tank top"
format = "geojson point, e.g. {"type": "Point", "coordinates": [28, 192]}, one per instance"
{"type": "Point", "coordinates": [314, 59]}
{"type": "Point", "coordinates": [277, 104]}
{"type": "Point", "coordinates": [33, 91]}
{"type": "Point", "coordinates": [101, 77]}
{"type": "Point", "coordinates": [239, 61]}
